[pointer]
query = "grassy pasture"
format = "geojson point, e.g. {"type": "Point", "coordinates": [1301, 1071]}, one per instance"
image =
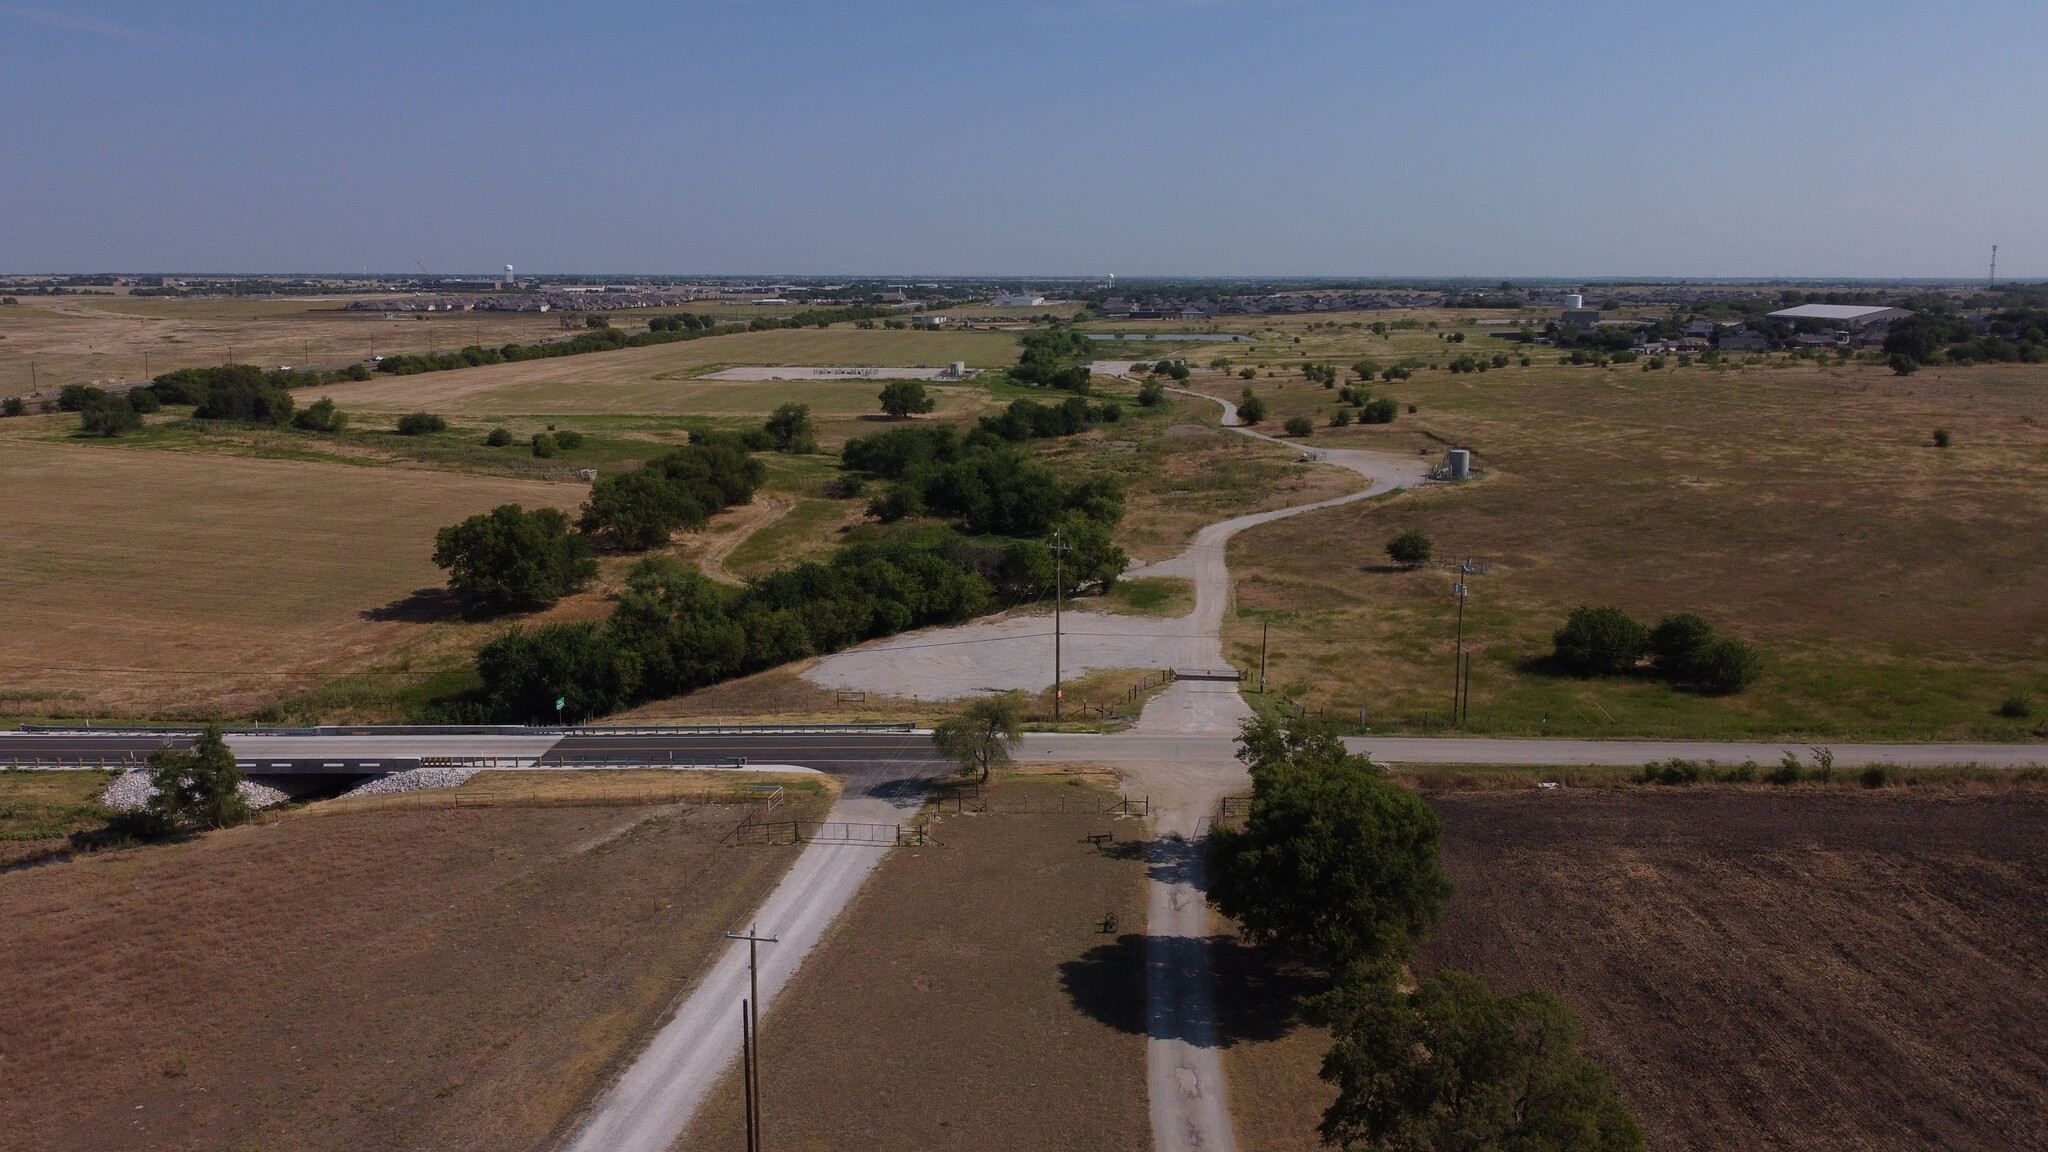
{"type": "Point", "coordinates": [429, 977]}
{"type": "Point", "coordinates": [202, 567]}
{"type": "Point", "coordinates": [1802, 508]}
{"type": "Point", "coordinates": [970, 997]}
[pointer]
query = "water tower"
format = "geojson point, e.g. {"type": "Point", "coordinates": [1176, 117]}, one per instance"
{"type": "Point", "coordinates": [1571, 300]}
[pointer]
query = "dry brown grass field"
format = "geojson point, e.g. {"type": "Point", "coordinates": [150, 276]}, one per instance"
{"type": "Point", "coordinates": [1756, 968]}
{"type": "Point", "coordinates": [1801, 508]}
{"type": "Point", "coordinates": [203, 570]}
{"type": "Point", "coordinates": [969, 997]}
{"type": "Point", "coordinates": [448, 979]}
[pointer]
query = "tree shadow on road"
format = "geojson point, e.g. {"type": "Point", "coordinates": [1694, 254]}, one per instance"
{"type": "Point", "coordinates": [1257, 998]}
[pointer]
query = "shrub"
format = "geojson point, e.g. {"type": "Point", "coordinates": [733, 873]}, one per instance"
{"type": "Point", "coordinates": [426, 423]}
{"type": "Point", "coordinates": [241, 392]}
{"type": "Point", "coordinates": [902, 398]}
{"type": "Point", "coordinates": [1787, 772]}
{"type": "Point", "coordinates": [13, 406]}
{"type": "Point", "coordinates": [108, 415]}
{"type": "Point", "coordinates": [357, 372]}
{"type": "Point", "coordinates": [568, 439]}
{"type": "Point", "coordinates": [543, 444]}
{"type": "Point", "coordinates": [1380, 411]}
{"type": "Point", "coordinates": [792, 429]}
{"type": "Point", "coordinates": [78, 397]}
{"type": "Point", "coordinates": [1875, 776]}
{"type": "Point", "coordinates": [1941, 438]}
{"type": "Point", "coordinates": [1300, 426]}
{"type": "Point", "coordinates": [511, 558]}
{"type": "Point", "coordinates": [1366, 369]}
{"type": "Point", "coordinates": [1599, 642]}
{"type": "Point", "coordinates": [1904, 365]}
{"type": "Point", "coordinates": [321, 416]}
{"type": "Point", "coordinates": [1341, 418]}
{"type": "Point", "coordinates": [1151, 394]}
{"type": "Point", "coordinates": [1247, 373]}
{"type": "Point", "coordinates": [498, 437]}
{"type": "Point", "coordinates": [1673, 771]}
{"type": "Point", "coordinates": [1677, 644]}
{"type": "Point", "coordinates": [2016, 708]}
{"type": "Point", "coordinates": [143, 400]}
{"type": "Point", "coordinates": [1726, 666]}
{"type": "Point", "coordinates": [1410, 547]}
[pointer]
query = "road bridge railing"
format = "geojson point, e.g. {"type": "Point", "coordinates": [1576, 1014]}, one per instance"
{"type": "Point", "coordinates": [904, 727]}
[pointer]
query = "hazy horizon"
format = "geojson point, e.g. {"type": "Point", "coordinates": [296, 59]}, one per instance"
{"type": "Point", "coordinates": [1148, 138]}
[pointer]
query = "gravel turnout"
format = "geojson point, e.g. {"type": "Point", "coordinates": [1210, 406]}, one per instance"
{"type": "Point", "coordinates": [416, 780]}
{"type": "Point", "coordinates": [131, 790]}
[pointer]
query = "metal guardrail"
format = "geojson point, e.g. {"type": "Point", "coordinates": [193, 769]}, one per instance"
{"type": "Point", "coordinates": [904, 727]}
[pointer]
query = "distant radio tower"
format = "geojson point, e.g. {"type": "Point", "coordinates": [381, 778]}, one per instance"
{"type": "Point", "coordinates": [1993, 281]}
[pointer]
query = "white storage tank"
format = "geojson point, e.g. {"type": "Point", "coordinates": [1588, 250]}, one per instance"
{"type": "Point", "coordinates": [1460, 460]}
{"type": "Point", "coordinates": [1574, 300]}
{"type": "Point", "coordinates": [958, 369]}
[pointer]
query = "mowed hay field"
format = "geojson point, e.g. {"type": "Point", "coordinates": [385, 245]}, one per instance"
{"type": "Point", "coordinates": [963, 1000]}
{"type": "Point", "coordinates": [80, 340]}
{"type": "Point", "coordinates": [380, 978]}
{"type": "Point", "coordinates": [659, 380]}
{"type": "Point", "coordinates": [193, 567]}
{"type": "Point", "coordinates": [1755, 968]}
{"type": "Point", "coordinates": [1889, 584]}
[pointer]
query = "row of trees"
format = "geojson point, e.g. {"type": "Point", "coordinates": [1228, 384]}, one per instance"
{"type": "Point", "coordinates": [1336, 870]}
{"type": "Point", "coordinates": [1682, 648]}
{"type": "Point", "coordinates": [2015, 334]}
{"type": "Point", "coordinates": [675, 630]}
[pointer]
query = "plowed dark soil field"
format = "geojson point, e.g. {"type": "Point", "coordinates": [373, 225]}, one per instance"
{"type": "Point", "coordinates": [1763, 969]}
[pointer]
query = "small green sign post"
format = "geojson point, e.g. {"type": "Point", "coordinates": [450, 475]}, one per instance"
{"type": "Point", "coordinates": [559, 702]}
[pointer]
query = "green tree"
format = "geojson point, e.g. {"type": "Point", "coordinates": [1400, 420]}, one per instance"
{"type": "Point", "coordinates": [1300, 426]}
{"type": "Point", "coordinates": [1250, 409]}
{"type": "Point", "coordinates": [1599, 642]}
{"type": "Point", "coordinates": [981, 736]}
{"type": "Point", "coordinates": [543, 444]}
{"type": "Point", "coordinates": [498, 438]}
{"type": "Point", "coordinates": [901, 398]}
{"type": "Point", "coordinates": [200, 788]}
{"type": "Point", "coordinates": [1335, 866]}
{"type": "Point", "coordinates": [13, 406]}
{"type": "Point", "coordinates": [509, 558]}
{"type": "Point", "coordinates": [1410, 547]}
{"type": "Point", "coordinates": [568, 439]}
{"type": "Point", "coordinates": [320, 416]}
{"type": "Point", "coordinates": [1151, 394]}
{"type": "Point", "coordinates": [1451, 1067]}
{"type": "Point", "coordinates": [792, 429]}
{"type": "Point", "coordinates": [1904, 365]}
{"type": "Point", "coordinates": [1941, 438]}
{"type": "Point", "coordinates": [1380, 411]}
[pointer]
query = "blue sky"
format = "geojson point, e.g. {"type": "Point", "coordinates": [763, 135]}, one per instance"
{"type": "Point", "coordinates": [1027, 137]}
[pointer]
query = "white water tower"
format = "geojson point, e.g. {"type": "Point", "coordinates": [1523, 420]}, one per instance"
{"type": "Point", "coordinates": [1571, 299]}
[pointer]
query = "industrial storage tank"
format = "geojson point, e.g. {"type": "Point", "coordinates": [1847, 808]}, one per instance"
{"type": "Point", "coordinates": [1460, 461]}
{"type": "Point", "coordinates": [1574, 300]}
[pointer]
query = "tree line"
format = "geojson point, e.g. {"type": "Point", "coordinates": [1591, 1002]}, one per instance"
{"type": "Point", "coordinates": [1336, 870]}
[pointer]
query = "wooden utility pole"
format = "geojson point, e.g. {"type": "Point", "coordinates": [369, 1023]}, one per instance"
{"type": "Point", "coordinates": [1458, 659]}
{"type": "Point", "coordinates": [1058, 591]}
{"type": "Point", "coordinates": [1262, 656]}
{"type": "Point", "coordinates": [750, 1031]}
